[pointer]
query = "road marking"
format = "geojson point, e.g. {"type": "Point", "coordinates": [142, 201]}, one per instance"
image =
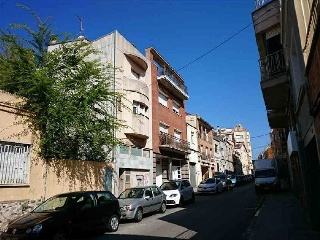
{"type": "Point", "coordinates": [186, 235]}
{"type": "Point", "coordinates": [257, 213]}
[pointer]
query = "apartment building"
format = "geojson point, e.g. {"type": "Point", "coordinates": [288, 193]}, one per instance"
{"type": "Point", "coordinates": [287, 35]}
{"type": "Point", "coordinates": [278, 142]}
{"type": "Point", "coordinates": [205, 165]}
{"type": "Point", "coordinates": [169, 128]}
{"type": "Point", "coordinates": [195, 175]}
{"type": "Point", "coordinates": [133, 164]}
{"type": "Point", "coordinates": [223, 155]}
{"type": "Point", "coordinates": [267, 152]}
{"type": "Point", "coordinates": [224, 150]}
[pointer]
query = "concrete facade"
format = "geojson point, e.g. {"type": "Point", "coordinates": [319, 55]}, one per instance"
{"type": "Point", "coordinates": [133, 160]}
{"type": "Point", "coordinates": [195, 175]}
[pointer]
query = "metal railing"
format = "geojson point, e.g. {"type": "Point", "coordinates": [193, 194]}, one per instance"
{"type": "Point", "coordinates": [272, 65]}
{"type": "Point", "coordinates": [261, 3]}
{"type": "Point", "coordinates": [14, 164]}
{"type": "Point", "coordinates": [173, 79]}
{"type": "Point", "coordinates": [313, 21]}
{"type": "Point", "coordinates": [173, 142]}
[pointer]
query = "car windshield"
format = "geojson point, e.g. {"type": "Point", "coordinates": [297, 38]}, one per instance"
{"type": "Point", "coordinates": [265, 173]}
{"type": "Point", "coordinates": [59, 203]}
{"type": "Point", "coordinates": [132, 193]}
{"type": "Point", "coordinates": [173, 185]}
{"type": "Point", "coordinates": [208, 180]}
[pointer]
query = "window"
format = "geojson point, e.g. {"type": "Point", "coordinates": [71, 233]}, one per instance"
{"type": "Point", "coordinates": [175, 107]}
{"type": "Point", "coordinates": [177, 135]}
{"type": "Point", "coordinates": [134, 74]}
{"type": "Point", "coordinates": [136, 151]}
{"type": "Point", "coordinates": [163, 100]}
{"type": "Point", "coordinates": [239, 136]}
{"type": "Point", "coordinates": [156, 191]}
{"type": "Point", "coordinates": [139, 108]}
{"type": "Point", "coordinates": [14, 163]}
{"type": "Point", "coordinates": [164, 128]}
{"type": "Point", "coordinates": [216, 148]}
{"type": "Point", "coordinates": [192, 136]}
{"type": "Point", "coordinates": [124, 149]}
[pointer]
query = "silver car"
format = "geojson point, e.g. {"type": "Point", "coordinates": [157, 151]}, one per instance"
{"type": "Point", "coordinates": [210, 185]}
{"type": "Point", "coordinates": [134, 202]}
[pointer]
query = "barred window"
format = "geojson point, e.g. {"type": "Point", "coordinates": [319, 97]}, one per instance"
{"type": "Point", "coordinates": [14, 163]}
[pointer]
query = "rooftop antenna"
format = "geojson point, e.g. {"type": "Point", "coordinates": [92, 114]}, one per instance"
{"type": "Point", "coordinates": [81, 31]}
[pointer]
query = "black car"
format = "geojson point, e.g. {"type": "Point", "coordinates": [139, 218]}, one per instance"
{"type": "Point", "coordinates": [67, 214]}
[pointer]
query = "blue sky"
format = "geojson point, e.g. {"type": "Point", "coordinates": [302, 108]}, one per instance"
{"type": "Point", "coordinates": [224, 85]}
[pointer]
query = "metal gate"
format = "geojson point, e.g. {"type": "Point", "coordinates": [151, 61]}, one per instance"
{"type": "Point", "coordinates": [14, 163]}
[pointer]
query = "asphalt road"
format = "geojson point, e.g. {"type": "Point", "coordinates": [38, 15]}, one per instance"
{"type": "Point", "coordinates": [225, 216]}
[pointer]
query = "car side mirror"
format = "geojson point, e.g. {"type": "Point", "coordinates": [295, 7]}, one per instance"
{"type": "Point", "coordinates": [147, 197]}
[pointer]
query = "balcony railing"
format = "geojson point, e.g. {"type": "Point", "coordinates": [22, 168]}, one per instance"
{"type": "Point", "coordinates": [272, 65]}
{"type": "Point", "coordinates": [261, 3]}
{"type": "Point", "coordinates": [173, 79]}
{"type": "Point", "coordinates": [204, 156]}
{"type": "Point", "coordinates": [173, 142]}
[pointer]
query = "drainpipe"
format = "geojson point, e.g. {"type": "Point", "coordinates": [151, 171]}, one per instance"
{"type": "Point", "coordinates": [114, 108]}
{"type": "Point", "coordinates": [170, 169]}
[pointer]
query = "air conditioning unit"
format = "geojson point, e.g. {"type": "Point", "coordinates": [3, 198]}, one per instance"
{"type": "Point", "coordinates": [292, 144]}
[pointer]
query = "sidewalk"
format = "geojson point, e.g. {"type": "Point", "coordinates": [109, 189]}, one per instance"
{"type": "Point", "coordinates": [280, 218]}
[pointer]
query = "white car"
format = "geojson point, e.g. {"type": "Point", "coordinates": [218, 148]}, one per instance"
{"type": "Point", "coordinates": [210, 185]}
{"type": "Point", "coordinates": [178, 192]}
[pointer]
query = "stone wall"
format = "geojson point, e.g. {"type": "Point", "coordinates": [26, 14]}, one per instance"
{"type": "Point", "coordinates": [13, 209]}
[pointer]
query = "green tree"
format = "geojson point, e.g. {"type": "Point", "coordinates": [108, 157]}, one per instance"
{"type": "Point", "coordinates": [67, 92]}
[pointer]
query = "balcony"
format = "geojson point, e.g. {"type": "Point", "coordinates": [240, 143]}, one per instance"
{"type": "Point", "coordinates": [274, 80]}
{"type": "Point", "coordinates": [139, 126]}
{"type": "Point", "coordinates": [261, 3]}
{"type": "Point", "coordinates": [266, 15]}
{"type": "Point", "coordinates": [277, 118]}
{"type": "Point", "coordinates": [173, 144]}
{"type": "Point", "coordinates": [139, 60]}
{"type": "Point", "coordinates": [172, 83]}
{"type": "Point", "coordinates": [134, 85]}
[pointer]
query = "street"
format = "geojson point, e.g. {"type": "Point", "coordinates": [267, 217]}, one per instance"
{"type": "Point", "coordinates": [223, 216]}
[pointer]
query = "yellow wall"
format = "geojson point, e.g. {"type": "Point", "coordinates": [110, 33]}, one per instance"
{"type": "Point", "coordinates": [46, 178]}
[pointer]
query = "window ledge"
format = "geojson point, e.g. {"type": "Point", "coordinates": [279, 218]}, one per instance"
{"type": "Point", "coordinates": [14, 185]}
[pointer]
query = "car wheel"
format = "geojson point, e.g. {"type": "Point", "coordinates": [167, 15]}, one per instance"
{"type": "Point", "coordinates": [113, 223]}
{"type": "Point", "coordinates": [138, 216]}
{"type": "Point", "coordinates": [181, 202]}
{"type": "Point", "coordinates": [59, 235]}
{"type": "Point", "coordinates": [193, 198]}
{"type": "Point", "coordinates": [163, 207]}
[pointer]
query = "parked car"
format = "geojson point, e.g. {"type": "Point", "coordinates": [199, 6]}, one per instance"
{"type": "Point", "coordinates": [223, 178]}
{"type": "Point", "coordinates": [134, 202]}
{"type": "Point", "coordinates": [210, 185]}
{"type": "Point", "coordinates": [67, 214]}
{"type": "Point", "coordinates": [178, 192]}
{"type": "Point", "coordinates": [233, 179]}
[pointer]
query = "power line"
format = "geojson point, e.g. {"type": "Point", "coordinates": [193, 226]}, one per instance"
{"type": "Point", "coordinates": [260, 147]}
{"type": "Point", "coordinates": [260, 135]}
{"type": "Point", "coordinates": [212, 49]}
{"type": "Point", "coordinates": [228, 39]}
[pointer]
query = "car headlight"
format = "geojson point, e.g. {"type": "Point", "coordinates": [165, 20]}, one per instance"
{"type": "Point", "coordinates": [127, 208]}
{"type": "Point", "coordinates": [173, 195]}
{"type": "Point", "coordinates": [37, 228]}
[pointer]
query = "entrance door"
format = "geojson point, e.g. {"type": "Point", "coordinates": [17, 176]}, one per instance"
{"type": "Point", "coordinates": [176, 172]}
{"type": "Point", "coordinates": [158, 172]}
{"type": "Point", "coordinates": [193, 175]}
